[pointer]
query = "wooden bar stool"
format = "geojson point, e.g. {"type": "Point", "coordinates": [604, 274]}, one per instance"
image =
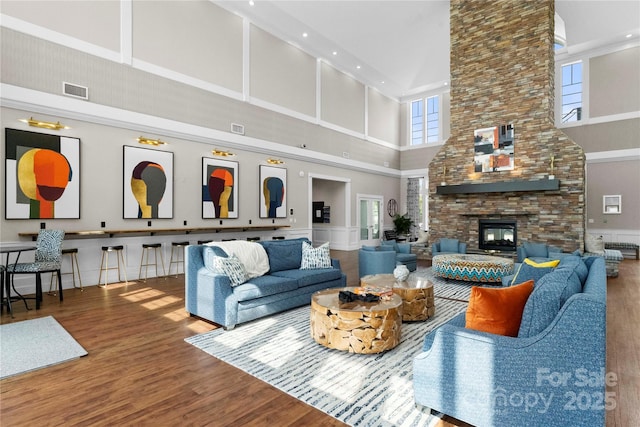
{"type": "Point", "coordinates": [155, 248]}
{"type": "Point", "coordinates": [177, 248]}
{"type": "Point", "coordinates": [75, 269]}
{"type": "Point", "coordinates": [104, 264]}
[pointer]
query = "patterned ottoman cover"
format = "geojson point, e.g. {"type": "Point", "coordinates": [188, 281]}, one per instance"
{"type": "Point", "coordinates": [472, 268]}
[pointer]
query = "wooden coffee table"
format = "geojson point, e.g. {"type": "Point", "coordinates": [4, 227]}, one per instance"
{"type": "Point", "coordinates": [416, 293]}
{"type": "Point", "coordinates": [356, 327]}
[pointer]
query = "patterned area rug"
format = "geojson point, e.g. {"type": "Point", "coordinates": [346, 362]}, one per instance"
{"type": "Point", "coordinates": [362, 390]}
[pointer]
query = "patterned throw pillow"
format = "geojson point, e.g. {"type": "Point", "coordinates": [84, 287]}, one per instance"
{"type": "Point", "coordinates": [313, 258]}
{"type": "Point", "coordinates": [232, 268]}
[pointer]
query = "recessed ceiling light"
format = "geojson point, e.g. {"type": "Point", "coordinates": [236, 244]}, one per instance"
{"type": "Point", "coordinates": [382, 82]}
{"type": "Point", "coordinates": [334, 53]}
{"type": "Point", "coordinates": [305, 35]}
{"type": "Point", "coordinates": [357, 67]}
{"type": "Point", "coordinates": [251, 3]}
{"type": "Point", "coordinates": [446, 83]}
{"type": "Point", "coordinates": [629, 35]}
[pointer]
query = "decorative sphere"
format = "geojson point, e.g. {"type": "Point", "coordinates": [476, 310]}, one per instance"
{"type": "Point", "coordinates": [401, 272]}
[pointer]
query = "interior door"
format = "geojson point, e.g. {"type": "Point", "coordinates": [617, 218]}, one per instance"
{"type": "Point", "coordinates": [370, 219]}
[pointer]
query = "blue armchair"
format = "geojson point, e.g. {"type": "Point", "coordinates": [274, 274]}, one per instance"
{"type": "Point", "coordinates": [403, 253]}
{"type": "Point", "coordinates": [371, 260]}
{"type": "Point", "coordinates": [536, 251]}
{"type": "Point", "coordinates": [448, 246]}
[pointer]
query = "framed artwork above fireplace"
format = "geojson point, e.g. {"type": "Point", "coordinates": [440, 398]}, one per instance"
{"type": "Point", "coordinates": [493, 148]}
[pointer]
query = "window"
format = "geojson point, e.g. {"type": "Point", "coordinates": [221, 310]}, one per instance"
{"type": "Point", "coordinates": [612, 204]}
{"type": "Point", "coordinates": [572, 92]}
{"type": "Point", "coordinates": [433, 119]}
{"type": "Point", "coordinates": [425, 125]}
{"type": "Point", "coordinates": [417, 121]}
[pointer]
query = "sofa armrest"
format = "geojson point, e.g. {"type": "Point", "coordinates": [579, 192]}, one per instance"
{"type": "Point", "coordinates": [335, 263]}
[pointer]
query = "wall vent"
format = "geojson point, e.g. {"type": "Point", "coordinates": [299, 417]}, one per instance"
{"type": "Point", "coordinates": [236, 128]}
{"type": "Point", "coordinates": [75, 90]}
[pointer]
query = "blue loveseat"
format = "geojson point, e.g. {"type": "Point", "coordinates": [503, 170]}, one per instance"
{"type": "Point", "coordinates": [551, 374]}
{"type": "Point", "coordinates": [210, 295]}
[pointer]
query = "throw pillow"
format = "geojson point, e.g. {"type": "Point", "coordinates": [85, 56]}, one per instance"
{"type": "Point", "coordinates": [232, 268]}
{"type": "Point", "coordinates": [498, 310]}
{"type": "Point", "coordinates": [313, 258]}
{"type": "Point", "coordinates": [528, 272]}
{"type": "Point", "coordinates": [552, 263]}
{"type": "Point", "coordinates": [594, 244]}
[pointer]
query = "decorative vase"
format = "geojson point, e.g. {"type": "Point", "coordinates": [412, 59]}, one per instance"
{"type": "Point", "coordinates": [401, 272]}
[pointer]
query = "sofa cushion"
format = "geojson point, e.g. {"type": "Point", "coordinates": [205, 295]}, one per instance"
{"type": "Point", "coordinates": [404, 258]}
{"type": "Point", "coordinates": [548, 296]}
{"type": "Point", "coordinates": [263, 286]}
{"type": "Point", "coordinates": [529, 271]}
{"type": "Point", "coordinates": [369, 248]}
{"type": "Point", "coordinates": [497, 310]}
{"type": "Point", "coordinates": [230, 267]}
{"type": "Point", "coordinates": [284, 254]}
{"type": "Point", "coordinates": [449, 245]}
{"type": "Point", "coordinates": [251, 254]}
{"type": "Point", "coordinates": [313, 258]}
{"type": "Point", "coordinates": [310, 277]}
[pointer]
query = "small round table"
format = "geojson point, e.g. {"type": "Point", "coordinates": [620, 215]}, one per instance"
{"type": "Point", "coordinates": [471, 268]}
{"type": "Point", "coordinates": [418, 302]}
{"type": "Point", "coordinates": [356, 327]}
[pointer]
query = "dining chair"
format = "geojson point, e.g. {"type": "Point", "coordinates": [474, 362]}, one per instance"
{"type": "Point", "coordinates": [48, 259]}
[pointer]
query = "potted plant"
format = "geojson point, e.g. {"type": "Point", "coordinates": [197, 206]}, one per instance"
{"type": "Point", "coordinates": [402, 224]}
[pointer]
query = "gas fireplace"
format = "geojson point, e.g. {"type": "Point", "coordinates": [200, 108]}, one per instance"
{"type": "Point", "coordinates": [497, 234]}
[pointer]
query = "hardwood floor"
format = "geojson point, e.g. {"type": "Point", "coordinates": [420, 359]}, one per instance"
{"type": "Point", "coordinates": [139, 371]}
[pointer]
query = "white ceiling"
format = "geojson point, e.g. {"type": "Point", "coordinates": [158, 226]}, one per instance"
{"type": "Point", "coordinates": [405, 44]}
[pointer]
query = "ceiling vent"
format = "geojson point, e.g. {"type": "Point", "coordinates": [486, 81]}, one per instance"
{"type": "Point", "coordinates": [74, 90]}
{"type": "Point", "coordinates": [236, 128]}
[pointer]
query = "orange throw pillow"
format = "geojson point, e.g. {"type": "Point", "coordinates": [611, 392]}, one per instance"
{"type": "Point", "coordinates": [498, 310]}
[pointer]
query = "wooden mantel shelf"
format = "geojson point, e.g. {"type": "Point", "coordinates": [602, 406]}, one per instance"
{"type": "Point", "coordinates": [500, 187]}
{"type": "Point", "coordinates": [155, 231]}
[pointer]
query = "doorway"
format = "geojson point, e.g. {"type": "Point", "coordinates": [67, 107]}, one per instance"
{"type": "Point", "coordinates": [369, 219]}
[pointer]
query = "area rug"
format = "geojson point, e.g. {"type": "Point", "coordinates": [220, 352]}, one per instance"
{"type": "Point", "coordinates": [33, 344]}
{"type": "Point", "coordinates": [362, 390]}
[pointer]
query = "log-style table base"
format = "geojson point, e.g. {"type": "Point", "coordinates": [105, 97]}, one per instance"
{"type": "Point", "coordinates": [416, 293]}
{"type": "Point", "coordinates": [356, 327]}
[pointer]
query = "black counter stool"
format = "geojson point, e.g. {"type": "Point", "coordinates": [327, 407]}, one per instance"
{"type": "Point", "coordinates": [144, 262]}
{"type": "Point", "coordinates": [104, 264]}
{"type": "Point", "coordinates": [253, 239]}
{"type": "Point", "coordinates": [75, 269]}
{"type": "Point", "coordinates": [202, 242]}
{"type": "Point", "coordinates": [177, 256]}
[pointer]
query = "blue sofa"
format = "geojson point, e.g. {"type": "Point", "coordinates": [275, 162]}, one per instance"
{"type": "Point", "coordinates": [552, 374]}
{"type": "Point", "coordinates": [210, 296]}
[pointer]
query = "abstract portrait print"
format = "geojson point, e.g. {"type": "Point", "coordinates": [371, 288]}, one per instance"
{"type": "Point", "coordinates": [219, 188]}
{"type": "Point", "coordinates": [273, 201]}
{"type": "Point", "coordinates": [41, 176]}
{"type": "Point", "coordinates": [148, 183]}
